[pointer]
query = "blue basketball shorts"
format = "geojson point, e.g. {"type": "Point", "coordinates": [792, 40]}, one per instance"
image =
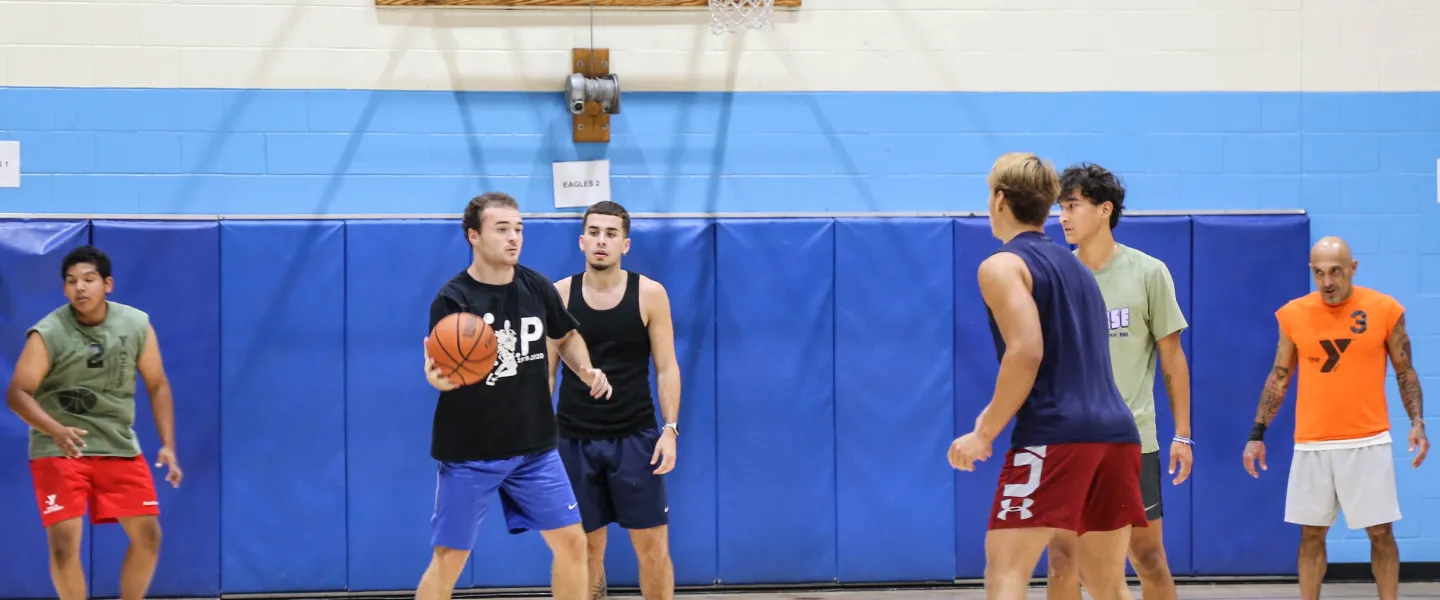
{"type": "Point", "coordinates": [615, 482]}
{"type": "Point", "coordinates": [534, 492]}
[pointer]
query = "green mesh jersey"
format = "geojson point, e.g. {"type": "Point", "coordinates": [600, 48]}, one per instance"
{"type": "Point", "coordinates": [91, 383]}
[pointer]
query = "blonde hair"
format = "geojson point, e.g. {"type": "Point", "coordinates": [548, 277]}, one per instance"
{"type": "Point", "coordinates": [1030, 184]}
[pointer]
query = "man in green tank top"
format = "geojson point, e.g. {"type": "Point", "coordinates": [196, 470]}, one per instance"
{"type": "Point", "coordinates": [1145, 322]}
{"type": "Point", "coordinates": [74, 384]}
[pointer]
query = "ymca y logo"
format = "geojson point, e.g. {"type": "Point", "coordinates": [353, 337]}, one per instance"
{"type": "Point", "coordinates": [1333, 350]}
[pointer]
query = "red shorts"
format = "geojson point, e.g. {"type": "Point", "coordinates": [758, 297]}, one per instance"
{"type": "Point", "coordinates": [113, 487]}
{"type": "Point", "coordinates": [1076, 487]}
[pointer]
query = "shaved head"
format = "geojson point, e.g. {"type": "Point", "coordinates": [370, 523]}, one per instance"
{"type": "Point", "coordinates": [1333, 267]}
{"type": "Point", "coordinates": [1330, 248]}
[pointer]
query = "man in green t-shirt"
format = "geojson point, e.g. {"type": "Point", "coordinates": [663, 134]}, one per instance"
{"type": "Point", "coordinates": [1145, 324]}
{"type": "Point", "coordinates": [74, 384]}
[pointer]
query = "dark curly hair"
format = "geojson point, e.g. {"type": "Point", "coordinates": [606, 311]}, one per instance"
{"type": "Point", "coordinates": [88, 255]}
{"type": "Point", "coordinates": [1097, 184]}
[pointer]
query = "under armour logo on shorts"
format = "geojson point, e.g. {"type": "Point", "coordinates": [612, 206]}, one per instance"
{"type": "Point", "coordinates": [1024, 509]}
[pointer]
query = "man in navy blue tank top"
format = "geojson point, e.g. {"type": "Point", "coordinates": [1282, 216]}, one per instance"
{"type": "Point", "coordinates": [1074, 458]}
{"type": "Point", "coordinates": [614, 450]}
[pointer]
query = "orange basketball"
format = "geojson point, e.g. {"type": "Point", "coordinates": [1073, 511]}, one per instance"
{"type": "Point", "coordinates": [463, 348]}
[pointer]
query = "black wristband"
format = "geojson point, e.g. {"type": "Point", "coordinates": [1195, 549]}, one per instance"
{"type": "Point", "coordinates": [1257, 433]}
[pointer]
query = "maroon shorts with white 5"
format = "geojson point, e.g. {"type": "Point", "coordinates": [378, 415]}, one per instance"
{"type": "Point", "coordinates": [1077, 487]}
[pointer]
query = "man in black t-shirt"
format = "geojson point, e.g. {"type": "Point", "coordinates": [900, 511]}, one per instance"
{"type": "Point", "coordinates": [499, 434]}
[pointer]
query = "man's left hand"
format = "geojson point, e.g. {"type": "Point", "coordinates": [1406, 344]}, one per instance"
{"type": "Point", "coordinates": [1181, 454]}
{"type": "Point", "coordinates": [664, 452]}
{"type": "Point", "coordinates": [166, 458]}
{"type": "Point", "coordinates": [1418, 440]}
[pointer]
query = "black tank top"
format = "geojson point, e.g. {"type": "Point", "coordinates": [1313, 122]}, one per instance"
{"type": "Point", "coordinates": [619, 345]}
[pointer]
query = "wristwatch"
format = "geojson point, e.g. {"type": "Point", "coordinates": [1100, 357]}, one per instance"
{"type": "Point", "coordinates": [673, 426]}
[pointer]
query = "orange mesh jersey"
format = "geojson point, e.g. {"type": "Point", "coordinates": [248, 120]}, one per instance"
{"type": "Point", "coordinates": [1341, 359]}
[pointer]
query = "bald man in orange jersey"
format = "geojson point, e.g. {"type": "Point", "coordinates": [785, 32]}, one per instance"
{"type": "Point", "coordinates": [1339, 337]}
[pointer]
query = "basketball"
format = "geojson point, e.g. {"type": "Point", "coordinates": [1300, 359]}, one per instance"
{"type": "Point", "coordinates": [463, 348]}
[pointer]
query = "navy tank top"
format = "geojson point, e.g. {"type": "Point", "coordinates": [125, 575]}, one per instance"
{"type": "Point", "coordinates": [1075, 399]}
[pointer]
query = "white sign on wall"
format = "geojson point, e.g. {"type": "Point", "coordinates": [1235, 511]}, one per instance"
{"type": "Point", "coordinates": [9, 164]}
{"type": "Point", "coordinates": [579, 184]}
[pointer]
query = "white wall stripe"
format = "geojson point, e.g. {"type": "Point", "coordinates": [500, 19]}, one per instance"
{"type": "Point", "coordinates": [925, 45]}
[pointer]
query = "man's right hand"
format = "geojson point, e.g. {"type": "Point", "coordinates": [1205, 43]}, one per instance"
{"type": "Point", "coordinates": [434, 376]}
{"type": "Point", "coordinates": [69, 440]}
{"type": "Point", "coordinates": [1255, 451]}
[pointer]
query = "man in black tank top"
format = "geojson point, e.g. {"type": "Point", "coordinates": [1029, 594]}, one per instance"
{"type": "Point", "coordinates": [614, 450]}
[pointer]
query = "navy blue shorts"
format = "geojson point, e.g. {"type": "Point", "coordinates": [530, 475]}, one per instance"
{"type": "Point", "coordinates": [534, 493]}
{"type": "Point", "coordinates": [615, 482]}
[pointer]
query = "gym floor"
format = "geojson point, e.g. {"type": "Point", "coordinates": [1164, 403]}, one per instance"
{"type": "Point", "coordinates": [1278, 591]}
{"type": "Point", "coordinates": [1188, 591]}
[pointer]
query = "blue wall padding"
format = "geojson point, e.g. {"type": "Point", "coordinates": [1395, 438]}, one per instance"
{"type": "Point", "coordinates": [1168, 239]}
{"type": "Point", "coordinates": [775, 308]}
{"type": "Point", "coordinates": [393, 271]}
{"type": "Point", "coordinates": [894, 358]}
{"type": "Point", "coordinates": [826, 365]}
{"type": "Point", "coordinates": [282, 402]}
{"type": "Point", "coordinates": [680, 254]}
{"type": "Point", "coordinates": [501, 559]}
{"type": "Point", "coordinates": [552, 247]}
{"type": "Point", "coordinates": [30, 287]}
{"type": "Point", "coordinates": [1251, 266]}
{"type": "Point", "coordinates": [171, 270]}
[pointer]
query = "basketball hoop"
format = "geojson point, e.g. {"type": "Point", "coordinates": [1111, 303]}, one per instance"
{"type": "Point", "coordinates": [735, 16]}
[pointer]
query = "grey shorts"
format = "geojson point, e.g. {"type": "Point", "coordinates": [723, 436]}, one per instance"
{"type": "Point", "coordinates": [1150, 485]}
{"type": "Point", "coordinates": [1357, 481]}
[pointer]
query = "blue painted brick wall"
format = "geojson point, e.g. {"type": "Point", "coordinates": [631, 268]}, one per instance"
{"type": "Point", "coordinates": [1363, 165]}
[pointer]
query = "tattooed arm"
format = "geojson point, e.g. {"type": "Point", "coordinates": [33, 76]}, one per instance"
{"type": "Point", "coordinates": [1398, 345]}
{"type": "Point", "coordinates": [1277, 383]}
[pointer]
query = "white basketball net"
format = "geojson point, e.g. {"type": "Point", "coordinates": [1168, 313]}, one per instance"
{"type": "Point", "coordinates": [735, 16]}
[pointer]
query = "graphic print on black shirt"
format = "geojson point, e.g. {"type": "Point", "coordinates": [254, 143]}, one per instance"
{"type": "Point", "coordinates": [509, 414]}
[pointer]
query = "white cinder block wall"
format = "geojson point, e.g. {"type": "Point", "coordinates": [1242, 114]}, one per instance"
{"type": "Point", "coordinates": [949, 45]}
